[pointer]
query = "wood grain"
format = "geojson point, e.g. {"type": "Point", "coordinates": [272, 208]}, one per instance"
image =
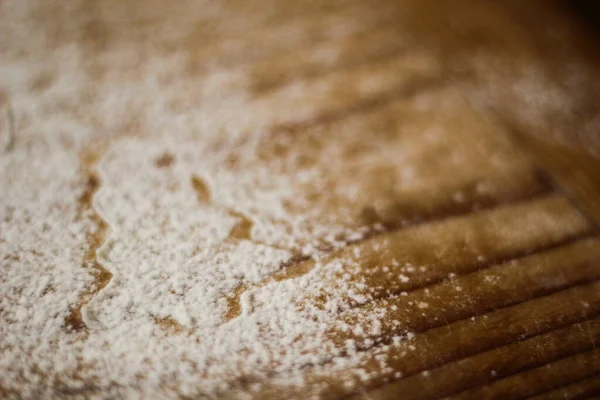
{"type": "Point", "coordinates": [495, 287]}
{"type": "Point", "coordinates": [588, 388]}
{"type": "Point", "coordinates": [479, 211]}
{"type": "Point", "coordinates": [450, 343]}
{"type": "Point", "coordinates": [435, 251]}
{"type": "Point", "coordinates": [579, 366]}
{"type": "Point", "coordinates": [495, 364]}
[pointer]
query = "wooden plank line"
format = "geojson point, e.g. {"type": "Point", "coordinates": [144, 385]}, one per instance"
{"type": "Point", "coordinates": [410, 288]}
{"type": "Point", "coordinates": [495, 364]}
{"type": "Point", "coordinates": [438, 346]}
{"type": "Point", "coordinates": [538, 380]}
{"type": "Point", "coordinates": [573, 228]}
{"type": "Point", "coordinates": [582, 389]}
{"type": "Point", "coordinates": [376, 251]}
{"type": "Point", "coordinates": [466, 338]}
{"type": "Point", "coordinates": [444, 248]}
{"type": "Point", "coordinates": [552, 223]}
{"type": "Point", "coordinates": [301, 266]}
{"type": "Point", "coordinates": [478, 292]}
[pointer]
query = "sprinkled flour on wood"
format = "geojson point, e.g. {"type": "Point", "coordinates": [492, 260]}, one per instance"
{"type": "Point", "coordinates": [143, 246]}
{"type": "Point", "coordinates": [168, 230]}
{"type": "Point", "coordinates": [163, 322]}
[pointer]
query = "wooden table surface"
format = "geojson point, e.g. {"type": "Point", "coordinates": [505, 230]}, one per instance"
{"type": "Point", "coordinates": [509, 59]}
{"type": "Point", "coordinates": [503, 214]}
